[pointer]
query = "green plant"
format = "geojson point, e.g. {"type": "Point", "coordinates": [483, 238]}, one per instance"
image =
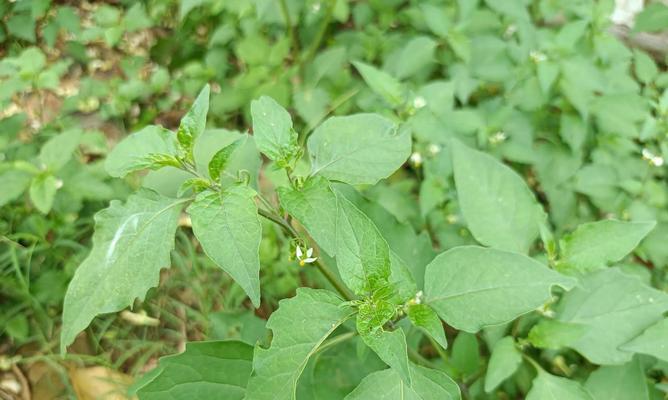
{"type": "Point", "coordinates": [524, 298]}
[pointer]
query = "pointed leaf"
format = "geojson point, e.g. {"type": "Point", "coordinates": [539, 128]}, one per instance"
{"type": "Point", "coordinates": [204, 371]}
{"type": "Point", "coordinates": [362, 255]}
{"type": "Point", "coordinates": [14, 183]}
{"type": "Point", "coordinates": [610, 323]}
{"type": "Point", "coordinates": [272, 129]}
{"type": "Point", "coordinates": [653, 341]}
{"type": "Point", "coordinates": [315, 207]}
{"type": "Point", "coordinates": [358, 149]}
{"type": "Point", "coordinates": [503, 363]}
{"type": "Point", "coordinates": [228, 228]}
{"type": "Point", "coordinates": [221, 159]}
{"type": "Point", "coordinates": [390, 346]}
{"type": "Point", "coordinates": [550, 387]}
{"type": "Point", "coordinates": [133, 153]}
{"type": "Point", "coordinates": [422, 316]}
{"type": "Point", "coordinates": [193, 123]}
{"type": "Point", "coordinates": [619, 382]}
{"type": "Point", "coordinates": [594, 245]}
{"type": "Point", "coordinates": [131, 243]}
{"type": "Point", "coordinates": [472, 287]}
{"type": "Point", "coordinates": [428, 384]}
{"type": "Point", "coordinates": [498, 207]}
{"type": "Point", "coordinates": [58, 150]}
{"type": "Point", "coordinates": [276, 370]}
{"type": "Point", "coordinates": [384, 84]}
{"type": "Point", "coordinates": [43, 190]}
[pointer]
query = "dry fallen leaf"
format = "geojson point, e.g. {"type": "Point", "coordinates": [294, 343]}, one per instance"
{"type": "Point", "coordinates": [99, 383]}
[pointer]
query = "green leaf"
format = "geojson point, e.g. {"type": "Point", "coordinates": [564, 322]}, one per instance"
{"type": "Point", "coordinates": [390, 346]}
{"type": "Point", "coordinates": [550, 387]}
{"type": "Point", "coordinates": [428, 384]}
{"type": "Point", "coordinates": [43, 190]}
{"type": "Point", "coordinates": [133, 153]}
{"type": "Point", "coordinates": [193, 123]}
{"type": "Point", "coordinates": [653, 18]}
{"type": "Point", "coordinates": [594, 245]}
{"type": "Point", "coordinates": [315, 207]}
{"type": "Point", "coordinates": [362, 255]}
{"type": "Point", "coordinates": [465, 356]}
{"type": "Point", "coordinates": [472, 287]}
{"type": "Point", "coordinates": [245, 157]}
{"type": "Point", "coordinates": [358, 149]}
{"type": "Point", "coordinates": [384, 84]}
{"type": "Point", "coordinates": [272, 130]}
{"type": "Point", "coordinates": [553, 334]}
{"type": "Point", "coordinates": [652, 341]}
{"type": "Point", "coordinates": [14, 183]}
{"type": "Point", "coordinates": [619, 382]}
{"type": "Point", "coordinates": [221, 159]}
{"type": "Point", "coordinates": [204, 371]}
{"type": "Point", "coordinates": [58, 150]}
{"type": "Point", "coordinates": [229, 230]}
{"type": "Point", "coordinates": [503, 363]}
{"type": "Point", "coordinates": [422, 316]}
{"type": "Point", "coordinates": [276, 370]}
{"type": "Point", "coordinates": [131, 243]}
{"type": "Point", "coordinates": [614, 308]}
{"type": "Point", "coordinates": [497, 205]}
{"type": "Point", "coordinates": [418, 53]}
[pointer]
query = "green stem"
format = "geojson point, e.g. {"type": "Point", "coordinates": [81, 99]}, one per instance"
{"type": "Point", "coordinates": [321, 33]}
{"type": "Point", "coordinates": [291, 29]}
{"type": "Point", "coordinates": [329, 275]}
{"type": "Point", "coordinates": [336, 340]}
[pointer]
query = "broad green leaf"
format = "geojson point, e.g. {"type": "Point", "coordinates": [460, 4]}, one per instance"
{"type": "Point", "coordinates": [272, 129]}
{"type": "Point", "coordinates": [472, 287]}
{"type": "Point", "coordinates": [594, 245]}
{"type": "Point", "coordinates": [428, 384]}
{"type": "Point", "coordinates": [222, 158]}
{"type": "Point", "coordinates": [315, 207]}
{"type": "Point", "coordinates": [422, 316]}
{"type": "Point", "coordinates": [384, 84]}
{"type": "Point", "coordinates": [503, 363]}
{"type": "Point", "coordinates": [58, 150]}
{"type": "Point", "coordinates": [299, 326]}
{"type": "Point", "coordinates": [623, 382]}
{"type": "Point", "coordinates": [653, 18]}
{"type": "Point", "coordinates": [362, 255]}
{"type": "Point", "coordinates": [193, 123]}
{"type": "Point", "coordinates": [131, 243]}
{"type": "Point", "coordinates": [133, 153]}
{"type": "Point", "coordinates": [358, 149]}
{"type": "Point", "coordinates": [465, 357]}
{"type": "Point", "coordinates": [43, 190]}
{"type": "Point", "coordinates": [229, 229]}
{"type": "Point", "coordinates": [614, 308]}
{"type": "Point", "coordinates": [553, 334]}
{"type": "Point", "coordinates": [14, 183]}
{"type": "Point", "coordinates": [550, 387]}
{"type": "Point", "coordinates": [653, 341]}
{"type": "Point", "coordinates": [390, 346]}
{"type": "Point", "coordinates": [204, 371]}
{"type": "Point", "coordinates": [416, 55]}
{"type": "Point", "coordinates": [498, 207]}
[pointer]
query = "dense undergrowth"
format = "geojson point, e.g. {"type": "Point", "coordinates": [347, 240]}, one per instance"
{"type": "Point", "coordinates": [553, 278]}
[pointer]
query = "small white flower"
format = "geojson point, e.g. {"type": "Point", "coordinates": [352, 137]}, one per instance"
{"type": "Point", "coordinates": [59, 183]}
{"type": "Point", "coordinates": [653, 159]}
{"type": "Point", "coordinates": [305, 260]}
{"type": "Point", "coordinates": [537, 56]}
{"type": "Point", "coordinates": [416, 159]}
{"type": "Point", "coordinates": [433, 149]}
{"type": "Point", "coordinates": [498, 137]}
{"type": "Point", "coordinates": [510, 31]}
{"type": "Point", "coordinates": [315, 7]}
{"type": "Point", "coordinates": [419, 102]}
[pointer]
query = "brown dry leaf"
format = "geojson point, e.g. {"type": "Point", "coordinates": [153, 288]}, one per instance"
{"type": "Point", "coordinates": [99, 383]}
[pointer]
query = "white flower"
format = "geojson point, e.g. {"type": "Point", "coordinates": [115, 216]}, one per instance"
{"type": "Point", "coordinates": [433, 149]}
{"type": "Point", "coordinates": [655, 160]}
{"type": "Point", "coordinates": [498, 137]}
{"type": "Point", "coordinates": [419, 102]}
{"type": "Point", "coordinates": [416, 159]}
{"type": "Point", "coordinates": [510, 31]}
{"type": "Point", "coordinates": [537, 56]}
{"type": "Point", "coordinates": [305, 260]}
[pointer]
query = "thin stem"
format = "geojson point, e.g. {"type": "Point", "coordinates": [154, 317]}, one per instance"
{"type": "Point", "coordinates": [291, 29]}
{"type": "Point", "coordinates": [329, 275]}
{"type": "Point", "coordinates": [321, 33]}
{"type": "Point", "coordinates": [336, 340]}
{"type": "Point", "coordinates": [419, 359]}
